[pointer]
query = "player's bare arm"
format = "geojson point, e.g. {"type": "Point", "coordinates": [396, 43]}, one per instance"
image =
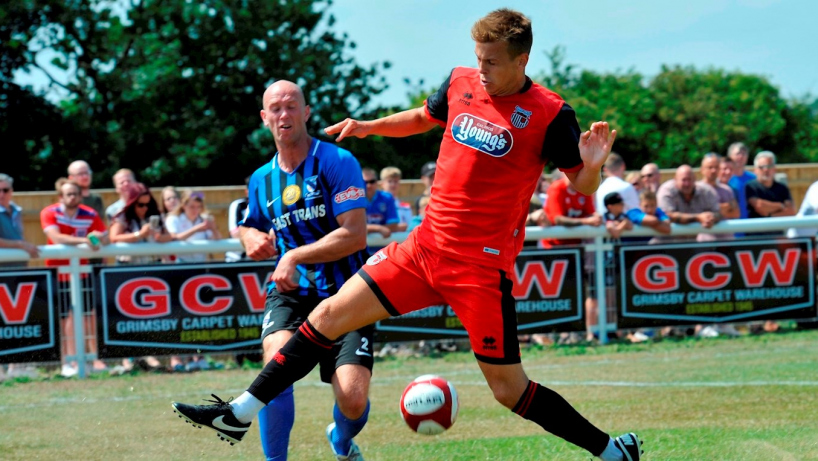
{"type": "Point", "coordinates": [594, 147]}
{"type": "Point", "coordinates": [341, 242]}
{"type": "Point", "coordinates": [258, 245]}
{"type": "Point", "coordinates": [402, 124]}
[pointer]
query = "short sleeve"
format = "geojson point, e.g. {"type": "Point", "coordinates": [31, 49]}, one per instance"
{"type": "Point", "coordinates": [636, 215]}
{"type": "Point", "coordinates": [97, 224]}
{"type": "Point", "coordinates": [254, 216]}
{"type": "Point", "coordinates": [345, 183]}
{"type": "Point", "coordinates": [48, 219]}
{"type": "Point", "coordinates": [750, 190]}
{"type": "Point", "coordinates": [561, 145]}
{"type": "Point", "coordinates": [437, 104]}
{"type": "Point", "coordinates": [661, 215]}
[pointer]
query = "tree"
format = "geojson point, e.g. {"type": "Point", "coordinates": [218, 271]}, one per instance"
{"type": "Point", "coordinates": [683, 113]}
{"type": "Point", "coordinates": [172, 89]}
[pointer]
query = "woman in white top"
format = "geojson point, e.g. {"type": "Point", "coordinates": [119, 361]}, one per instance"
{"type": "Point", "coordinates": [190, 222]}
{"type": "Point", "coordinates": [139, 221]}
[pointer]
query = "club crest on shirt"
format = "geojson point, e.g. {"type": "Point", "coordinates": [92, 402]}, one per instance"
{"type": "Point", "coordinates": [311, 190]}
{"type": "Point", "coordinates": [482, 135]}
{"type": "Point", "coordinates": [291, 194]}
{"type": "Point", "coordinates": [520, 117]}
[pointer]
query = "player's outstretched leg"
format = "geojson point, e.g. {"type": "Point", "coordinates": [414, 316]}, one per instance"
{"type": "Point", "coordinates": [553, 413]}
{"type": "Point", "coordinates": [218, 416]}
{"type": "Point", "coordinates": [294, 361]}
{"type": "Point", "coordinates": [353, 307]}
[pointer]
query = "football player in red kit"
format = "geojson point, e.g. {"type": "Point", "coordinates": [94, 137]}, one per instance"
{"type": "Point", "coordinates": [500, 130]}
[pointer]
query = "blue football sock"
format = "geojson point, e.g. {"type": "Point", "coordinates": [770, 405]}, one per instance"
{"type": "Point", "coordinates": [274, 424]}
{"type": "Point", "coordinates": [346, 429]}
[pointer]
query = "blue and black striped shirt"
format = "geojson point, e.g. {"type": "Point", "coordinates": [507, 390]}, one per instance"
{"type": "Point", "coordinates": [302, 207]}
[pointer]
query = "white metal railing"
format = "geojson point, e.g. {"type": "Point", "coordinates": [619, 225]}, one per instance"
{"type": "Point", "coordinates": [598, 234]}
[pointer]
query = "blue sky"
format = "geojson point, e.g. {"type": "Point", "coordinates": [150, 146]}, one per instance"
{"type": "Point", "coordinates": [426, 38]}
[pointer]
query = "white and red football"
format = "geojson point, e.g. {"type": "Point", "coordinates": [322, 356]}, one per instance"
{"type": "Point", "coordinates": [429, 405]}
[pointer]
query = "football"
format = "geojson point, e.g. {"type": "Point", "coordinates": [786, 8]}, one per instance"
{"type": "Point", "coordinates": [429, 405]}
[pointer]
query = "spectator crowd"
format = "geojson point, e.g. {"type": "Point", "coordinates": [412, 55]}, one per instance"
{"type": "Point", "coordinates": [726, 189]}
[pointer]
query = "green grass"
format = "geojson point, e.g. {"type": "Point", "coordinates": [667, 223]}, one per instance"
{"type": "Point", "coordinates": [751, 398]}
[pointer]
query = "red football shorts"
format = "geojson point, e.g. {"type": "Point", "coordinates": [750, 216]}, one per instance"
{"type": "Point", "coordinates": [407, 277]}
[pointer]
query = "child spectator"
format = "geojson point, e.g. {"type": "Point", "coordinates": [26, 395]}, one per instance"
{"type": "Point", "coordinates": [649, 214]}
{"type": "Point", "coordinates": [390, 182]}
{"type": "Point", "coordinates": [615, 219]}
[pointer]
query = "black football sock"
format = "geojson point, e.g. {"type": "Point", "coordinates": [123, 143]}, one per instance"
{"type": "Point", "coordinates": [292, 362]}
{"type": "Point", "coordinates": [554, 414]}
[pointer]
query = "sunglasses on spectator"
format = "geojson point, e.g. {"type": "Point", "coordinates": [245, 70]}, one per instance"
{"type": "Point", "coordinates": [5, 190]}
{"type": "Point", "coordinates": [765, 167]}
{"type": "Point", "coordinates": [142, 204]}
{"type": "Point", "coordinates": [649, 175]}
{"type": "Point", "coordinates": [371, 181]}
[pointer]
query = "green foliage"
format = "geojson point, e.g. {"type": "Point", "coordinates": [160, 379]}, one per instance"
{"type": "Point", "coordinates": [682, 113]}
{"type": "Point", "coordinates": [171, 89]}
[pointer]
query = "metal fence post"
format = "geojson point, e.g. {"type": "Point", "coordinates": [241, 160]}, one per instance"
{"type": "Point", "coordinates": [77, 308]}
{"type": "Point", "coordinates": [601, 290]}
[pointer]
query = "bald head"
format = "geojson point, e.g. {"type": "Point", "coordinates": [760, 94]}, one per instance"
{"type": "Point", "coordinates": [685, 180]}
{"type": "Point", "coordinates": [285, 113]}
{"type": "Point", "coordinates": [650, 176]}
{"type": "Point", "coordinates": [281, 88]}
{"type": "Point", "coordinates": [80, 172]}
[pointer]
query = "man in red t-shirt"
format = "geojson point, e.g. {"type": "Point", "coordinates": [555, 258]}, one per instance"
{"type": "Point", "coordinates": [500, 130]}
{"type": "Point", "coordinates": [68, 222]}
{"type": "Point", "coordinates": [567, 207]}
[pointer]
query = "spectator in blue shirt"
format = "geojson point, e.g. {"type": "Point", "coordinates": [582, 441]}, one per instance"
{"type": "Point", "coordinates": [739, 153]}
{"type": "Point", "coordinates": [649, 214]}
{"type": "Point", "coordinates": [381, 213]}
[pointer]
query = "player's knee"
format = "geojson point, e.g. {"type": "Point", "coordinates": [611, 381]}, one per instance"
{"type": "Point", "coordinates": [352, 404]}
{"type": "Point", "coordinates": [321, 316]}
{"type": "Point", "coordinates": [508, 389]}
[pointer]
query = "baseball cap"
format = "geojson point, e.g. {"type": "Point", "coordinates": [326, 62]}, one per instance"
{"type": "Point", "coordinates": [612, 199]}
{"type": "Point", "coordinates": [428, 168]}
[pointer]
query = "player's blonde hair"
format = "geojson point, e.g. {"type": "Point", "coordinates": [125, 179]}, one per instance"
{"type": "Point", "coordinates": [505, 25]}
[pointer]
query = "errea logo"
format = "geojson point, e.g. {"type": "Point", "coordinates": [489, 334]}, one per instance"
{"type": "Point", "coordinates": [482, 135]}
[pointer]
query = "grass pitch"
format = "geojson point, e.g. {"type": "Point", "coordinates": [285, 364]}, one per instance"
{"type": "Point", "coordinates": [751, 398]}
